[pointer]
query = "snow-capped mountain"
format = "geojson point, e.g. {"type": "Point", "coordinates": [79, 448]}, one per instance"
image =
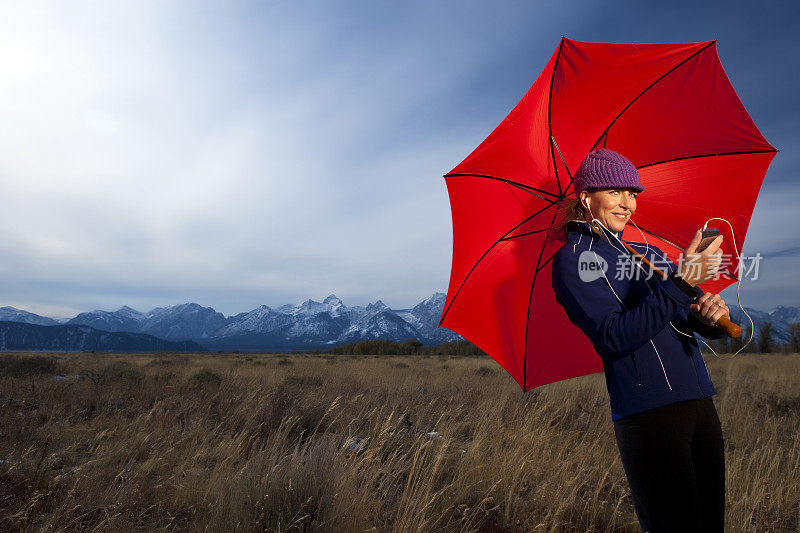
{"type": "Point", "coordinates": [182, 322]}
{"type": "Point", "coordinates": [178, 322]}
{"type": "Point", "coordinates": [779, 318]}
{"type": "Point", "coordinates": [785, 314]}
{"type": "Point", "coordinates": [376, 321]}
{"type": "Point", "coordinates": [317, 324]}
{"type": "Point", "coordinates": [425, 318]}
{"type": "Point", "coordinates": [12, 314]}
{"type": "Point", "coordinates": [123, 319]}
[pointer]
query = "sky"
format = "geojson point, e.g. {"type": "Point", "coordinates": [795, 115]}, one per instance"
{"type": "Point", "coordinates": [236, 154]}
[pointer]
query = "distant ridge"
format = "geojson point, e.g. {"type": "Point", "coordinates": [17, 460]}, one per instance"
{"type": "Point", "coordinates": [12, 314]}
{"type": "Point", "coordinates": [22, 336]}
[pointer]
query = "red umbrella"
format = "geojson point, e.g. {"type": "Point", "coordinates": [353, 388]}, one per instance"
{"type": "Point", "coordinates": [671, 110]}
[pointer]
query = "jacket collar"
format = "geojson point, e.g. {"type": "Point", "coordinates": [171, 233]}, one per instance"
{"type": "Point", "coordinates": [582, 227]}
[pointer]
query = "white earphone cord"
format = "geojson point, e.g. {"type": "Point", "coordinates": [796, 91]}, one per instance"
{"type": "Point", "coordinates": [738, 281]}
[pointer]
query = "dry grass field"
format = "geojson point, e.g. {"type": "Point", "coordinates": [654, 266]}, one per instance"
{"type": "Point", "coordinates": [248, 442]}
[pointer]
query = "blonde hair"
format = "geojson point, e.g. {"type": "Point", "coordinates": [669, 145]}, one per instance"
{"type": "Point", "coordinates": [569, 210]}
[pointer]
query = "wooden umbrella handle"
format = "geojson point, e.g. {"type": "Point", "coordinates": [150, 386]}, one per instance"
{"type": "Point", "coordinates": [731, 330]}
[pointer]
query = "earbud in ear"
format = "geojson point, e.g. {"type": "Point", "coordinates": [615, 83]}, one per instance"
{"type": "Point", "coordinates": [586, 203]}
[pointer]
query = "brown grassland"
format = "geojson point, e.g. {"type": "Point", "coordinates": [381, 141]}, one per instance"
{"type": "Point", "coordinates": [263, 442]}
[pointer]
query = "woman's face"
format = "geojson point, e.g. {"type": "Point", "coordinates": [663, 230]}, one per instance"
{"type": "Point", "coordinates": [612, 207]}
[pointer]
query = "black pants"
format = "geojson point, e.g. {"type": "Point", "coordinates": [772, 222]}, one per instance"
{"type": "Point", "coordinates": [675, 463]}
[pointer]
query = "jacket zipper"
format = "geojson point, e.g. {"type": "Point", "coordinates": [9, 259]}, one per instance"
{"type": "Point", "coordinates": [636, 370]}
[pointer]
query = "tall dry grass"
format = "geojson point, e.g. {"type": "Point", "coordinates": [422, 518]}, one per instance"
{"type": "Point", "coordinates": [237, 442]}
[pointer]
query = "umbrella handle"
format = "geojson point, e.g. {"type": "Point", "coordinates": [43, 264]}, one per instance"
{"type": "Point", "coordinates": [731, 330]}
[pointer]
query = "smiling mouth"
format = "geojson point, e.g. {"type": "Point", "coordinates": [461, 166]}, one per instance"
{"type": "Point", "coordinates": [621, 217]}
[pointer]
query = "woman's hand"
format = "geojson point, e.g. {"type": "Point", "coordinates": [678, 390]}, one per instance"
{"type": "Point", "coordinates": [697, 267]}
{"type": "Point", "coordinates": [710, 308]}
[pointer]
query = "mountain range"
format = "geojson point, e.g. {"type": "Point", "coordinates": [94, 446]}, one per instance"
{"type": "Point", "coordinates": [310, 324]}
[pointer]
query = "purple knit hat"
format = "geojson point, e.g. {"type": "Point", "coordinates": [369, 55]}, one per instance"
{"type": "Point", "coordinates": [605, 169]}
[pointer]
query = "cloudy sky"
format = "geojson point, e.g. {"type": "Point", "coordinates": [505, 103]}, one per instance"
{"type": "Point", "coordinates": [236, 154]}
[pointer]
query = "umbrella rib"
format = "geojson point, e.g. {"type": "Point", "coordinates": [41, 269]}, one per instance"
{"type": "Point", "coordinates": [550, 116]}
{"type": "Point", "coordinates": [526, 188]}
{"type": "Point", "coordinates": [716, 154]}
{"type": "Point", "coordinates": [605, 131]}
{"type": "Point", "coordinates": [667, 73]}
{"type": "Point", "coordinates": [523, 234]}
{"type": "Point", "coordinates": [728, 273]}
{"type": "Point", "coordinates": [708, 155]}
{"type": "Point", "coordinates": [546, 262]}
{"type": "Point", "coordinates": [504, 237]}
{"type": "Point", "coordinates": [660, 237]}
{"type": "Point", "coordinates": [528, 314]}
{"type": "Point", "coordinates": [562, 159]}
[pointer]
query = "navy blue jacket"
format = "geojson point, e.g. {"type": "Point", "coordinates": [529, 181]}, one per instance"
{"type": "Point", "coordinates": [647, 363]}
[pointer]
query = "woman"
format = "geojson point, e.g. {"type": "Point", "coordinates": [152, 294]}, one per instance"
{"type": "Point", "coordinates": [642, 326]}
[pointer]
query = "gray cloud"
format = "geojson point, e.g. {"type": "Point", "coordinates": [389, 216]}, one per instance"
{"type": "Point", "coordinates": [237, 155]}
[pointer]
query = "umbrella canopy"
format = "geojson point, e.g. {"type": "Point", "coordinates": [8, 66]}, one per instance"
{"type": "Point", "coordinates": [671, 110]}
